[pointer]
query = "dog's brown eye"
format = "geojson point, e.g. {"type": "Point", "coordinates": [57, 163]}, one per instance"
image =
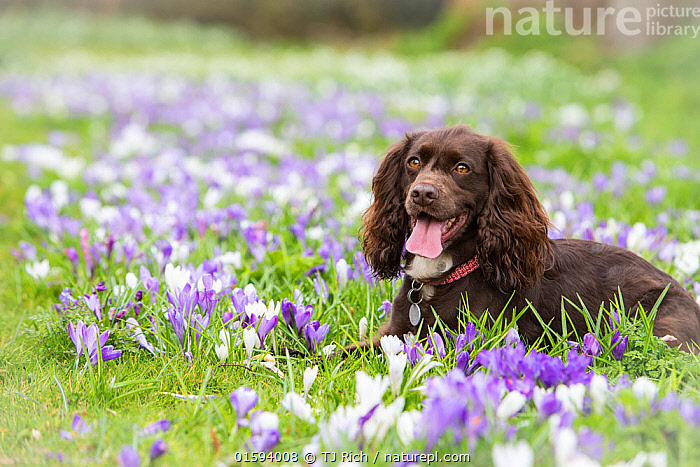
{"type": "Point", "coordinates": [462, 168]}
{"type": "Point", "coordinates": [414, 162]}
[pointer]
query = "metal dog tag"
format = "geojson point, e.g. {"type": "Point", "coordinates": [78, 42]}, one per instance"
{"type": "Point", "coordinates": [414, 314]}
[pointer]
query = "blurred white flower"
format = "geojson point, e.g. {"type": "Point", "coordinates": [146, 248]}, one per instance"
{"type": "Point", "coordinates": [645, 459]}
{"type": "Point", "coordinates": [363, 328]}
{"type": "Point", "coordinates": [687, 258]}
{"type": "Point", "coordinates": [222, 350]}
{"type": "Point", "coordinates": [397, 365]}
{"type": "Point", "coordinates": [599, 391]}
{"type": "Point", "coordinates": [571, 397]}
{"type": "Point", "coordinates": [644, 388]}
{"type": "Point", "coordinates": [343, 270]}
{"type": "Point", "coordinates": [573, 115]}
{"type": "Point", "coordinates": [38, 269]}
{"type": "Point", "coordinates": [251, 341]}
{"type": "Point", "coordinates": [638, 239]}
{"type": "Point", "coordinates": [309, 378]}
{"type": "Point", "coordinates": [328, 350]}
{"type": "Point", "coordinates": [519, 454]}
{"type": "Point", "coordinates": [407, 424]}
{"type": "Point", "coordinates": [131, 280]}
{"type": "Point", "coordinates": [368, 390]}
{"type": "Point", "coordinates": [176, 277]}
{"type": "Point", "coordinates": [510, 405]}
{"type": "Point", "coordinates": [59, 194]}
{"type": "Point", "coordinates": [564, 443]}
{"type": "Point", "coordinates": [382, 419]}
{"type": "Point", "coordinates": [232, 259]}
{"type": "Point", "coordinates": [296, 404]}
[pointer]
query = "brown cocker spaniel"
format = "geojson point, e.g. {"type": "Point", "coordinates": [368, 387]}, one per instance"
{"type": "Point", "coordinates": [464, 217]}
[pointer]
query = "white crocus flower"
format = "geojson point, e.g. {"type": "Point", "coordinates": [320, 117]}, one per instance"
{"type": "Point", "coordinates": [309, 378]}
{"type": "Point", "coordinates": [644, 388]}
{"type": "Point", "coordinates": [363, 328]}
{"type": "Point", "coordinates": [510, 405]}
{"type": "Point", "coordinates": [222, 350]}
{"type": "Point", "coordinates": [424, 365]}
{"type": "Point", "coordinates": [406, 425]}
{"type": "Point", "coordinates": [342, 270]}
{"type": "Point", "coordinates": [251, 341]}
{"type": "Point", "coordinates": [296, 404]}
{"type": "Point", "coordinates": [397, 365]}
{"type": "Point", "coordinates": [382, 419]}
{"type": "Point", "coordinates": [131, 280]}
{"type": "Point", "coordinates": [599, 391]}
{"type": "Point", "coordinates": [250, 292]}
{"type": "Point", "coordinates": [564, 443]}
{"type": "Point", "coordinates": [257, 309]}
{"type": "Point", "coordinates": [176, 277]}
{"type": "Point", "coordinates": [571, 397]}
{"type": "Point", "coordinates": [38, 269]}
{"type": "Point", "coordinates": [391, 345]}
{"type": "Point", "coordinates": [509, 455]}
{"type": "Point", "coordinates": [273, 309]}
{"type": "Point", "coordinates": [369, 391]}
{"type": "Point", "coordinates": [328, 350]}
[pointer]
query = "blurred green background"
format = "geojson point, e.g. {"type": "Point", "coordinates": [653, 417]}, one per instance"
{"type": "Point", "coordinates": [659, 74]}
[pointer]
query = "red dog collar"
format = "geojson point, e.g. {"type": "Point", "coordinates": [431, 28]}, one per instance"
{"type": "Point", "coordinates": [461, 271]}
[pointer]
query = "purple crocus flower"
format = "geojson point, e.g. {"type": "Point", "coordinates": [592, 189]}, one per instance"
{"type": "Point", "coordinates": [619, 345]}
{"type": "Point", "coordinates": [72, 255]}
{"type": "Point", "coordinates": [264, 431]}
{"type": "Point", "coordinates": [470, 332]}
{"type": "Point", "coordinates": [656, 195]}
{"type": "Point", "coordinates": [462, 360]}
{"type": "Point", "coordinates": [93, 303]}
{"type": "Point", "coordinates": [296, 316]}
{"type": "Point", "coordinates": [88, 337]}
{"type": "Point", "coordinates": [511, 338]}
{"type": "Point", "coordinates": [314, 333]}
{"type": "Point", "coordinates": [591, 346]}
{"type": "Point", "coordinates": [436, 344]}
{"type": "Point", "coordinates": [243, 400]}
{"type": "Point", "coordinates": [79, 426]}
{"type": "Point", "coordinates": [28, 250]}
{"type": "Point", "coordinates": [414, 351]}
{"type": "Point", "coordinates": [161, 426]}
{"type": "Point", "coordinates": [129, 457]}
{"type": "Point", "coordinates": [158, 448]}
{"type": "Point", "coordinates": [137, 333]}
{"type": "Point", "coordinates": [265, 325]}
{"type": "Point", "coordinates": [76, 335]}
{"type": "Point", "coordinates": [386, 308]}
{"type": "Point", "coordinates": [177, 321]}
{"type": "Point", "coordinates": [549, 405]}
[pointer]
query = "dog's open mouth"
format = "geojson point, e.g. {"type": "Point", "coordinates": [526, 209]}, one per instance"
{"type": "Point", "coordinates": [430, 234]}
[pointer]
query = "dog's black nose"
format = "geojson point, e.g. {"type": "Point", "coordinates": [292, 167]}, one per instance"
{"type": "Point", "coordinates": [424, 194]}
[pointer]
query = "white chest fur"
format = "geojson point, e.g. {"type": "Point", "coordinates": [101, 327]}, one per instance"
{"type": "Point", "coordinates": [426, 269]}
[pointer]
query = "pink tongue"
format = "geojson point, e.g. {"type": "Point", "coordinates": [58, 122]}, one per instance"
{"type": "Point", "coordinates": [426, 238]}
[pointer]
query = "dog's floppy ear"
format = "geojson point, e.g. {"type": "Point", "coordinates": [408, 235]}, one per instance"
{"type": "Point", "coordinates": [513, 243]}
{"type": "Point", "coordinates": [386, 223]}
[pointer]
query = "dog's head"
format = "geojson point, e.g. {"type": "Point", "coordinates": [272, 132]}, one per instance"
{"type": "Point", "coordinates": [457, 192]}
